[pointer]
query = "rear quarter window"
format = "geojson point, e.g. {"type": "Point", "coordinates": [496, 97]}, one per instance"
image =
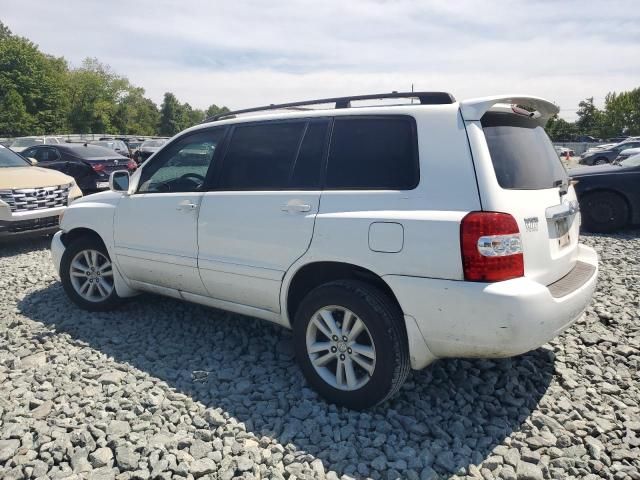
{"type": "Point", "coordinates": [377, 153]}
{"type": "Point", "coordinates": [522, 154]}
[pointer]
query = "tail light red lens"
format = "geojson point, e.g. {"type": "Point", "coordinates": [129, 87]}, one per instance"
{"type": "Point", "coordinates": [98, 167]}
{"type": "Point", "coordinates": [491, 247]}
{"type": "Point", "coordinates": [131, 165]}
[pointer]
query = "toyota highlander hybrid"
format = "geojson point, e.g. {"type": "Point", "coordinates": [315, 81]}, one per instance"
{"type": "Point", "coordinates": [385, 237]}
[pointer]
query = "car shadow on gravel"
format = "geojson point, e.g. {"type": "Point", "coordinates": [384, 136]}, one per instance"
{"type": "Point", "coordinates": [446, 417]}
{"type": "Point", "coordinates": [17, 245]}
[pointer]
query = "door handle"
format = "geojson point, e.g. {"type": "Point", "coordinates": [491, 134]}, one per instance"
{"type": "Point", "coordinates": [296, 207]}
{"type": "Point", "coordinates": [187, 205]}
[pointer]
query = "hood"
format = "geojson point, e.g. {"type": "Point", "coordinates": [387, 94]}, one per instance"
{"type": "Point", "coordinates": [18, 149]}
{"type": "Point", "coordinates": [150, 149]}
{"type": "Point", "coordinates": [105, 197]}
{"type": "Point", "coordinates": [595, 170]}
{"type": "Point", "coordinates": [31, 177]}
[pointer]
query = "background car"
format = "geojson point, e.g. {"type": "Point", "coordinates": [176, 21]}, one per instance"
{"type": "Point", "coordinates": [609, 195]}
{"type": "Point", "coordinates": [19, 144]}
{"type": "Point", "coordinates": [117, 145]}
{"type": "Point", "coordinates": [562, 151]}
{"type": "Point", "coordinates": [90, 165]}
{"type": "Point", "coordinates": [31, 198]}
{"type": "Point", "coordinates": [148, 148]}
{"type": "Point", "coordinates": [133, 145]}
{"type": "Point", "coordinates": [602, 157]}
{"type": "Point", "coordinates": [587, 139]}
{"type": "Point", "coordinates": [624, 154]}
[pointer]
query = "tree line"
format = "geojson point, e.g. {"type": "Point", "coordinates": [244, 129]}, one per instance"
{"type": "Point", "coordinates": [620, 117]}
{"type": "Point", "coordinates": [42, 94]}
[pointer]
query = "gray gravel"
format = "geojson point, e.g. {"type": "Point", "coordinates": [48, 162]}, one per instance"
{"type": "Point", "coordinates": [163, 389]}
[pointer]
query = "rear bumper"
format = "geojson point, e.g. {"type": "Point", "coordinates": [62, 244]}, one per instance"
{"type": "Point", "coordinates": [468, 319]}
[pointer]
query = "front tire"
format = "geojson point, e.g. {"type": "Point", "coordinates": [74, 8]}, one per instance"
{"type": "Point", "coordinates": [601, 161]}
{"type": "Point", "coordinates": [87, 273]}
{"type": "Point", "coordinates": [351, 344]}
{"type": "Point", "coordinates": [604, 212]}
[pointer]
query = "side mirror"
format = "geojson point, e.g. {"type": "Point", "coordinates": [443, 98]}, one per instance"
{"type": "Point", "coordinates": [119, 181]}
{"type": "Point", "coordinates": [32, 161]}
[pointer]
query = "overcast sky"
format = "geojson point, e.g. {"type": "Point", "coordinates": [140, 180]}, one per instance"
{"type": "Point", "coordinates": [246, 53]}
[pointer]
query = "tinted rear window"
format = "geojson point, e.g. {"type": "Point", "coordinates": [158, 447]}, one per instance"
{"type": "Point", "coordinates": [522, 154]}
{"type": "Point", "coordinates": [91, 151]}
{"type": "Point", "coordinates": [373, 153]}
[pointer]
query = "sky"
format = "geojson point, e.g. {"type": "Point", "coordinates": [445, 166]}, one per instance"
{"type": "Point", "coordinates": [244, 53]}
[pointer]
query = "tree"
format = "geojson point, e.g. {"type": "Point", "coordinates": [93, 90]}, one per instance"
{"type": "Point", "coordinates": [170, 115]}
{"type": "Point", "coordinates": [32, 85]}
{"type": "Point", "coordinates": [4, 31]}
{"type": "Point", "coordinates": [622, 112]}
{"type": "Point", "coordinates": [136, 115]}
{"type": "Point", "coordinates": [560, 130]}
{"type": "Point", "coordinates": [215, 110]}
{"type": "Point", "coordinates": [94, 92]}
{"type": "Point", "coordinates": [589, 120]}
{"type": "Point", "coordinates": [14, 119]}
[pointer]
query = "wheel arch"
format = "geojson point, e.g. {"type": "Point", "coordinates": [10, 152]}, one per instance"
{"type": "Point", "coordinates": [122, 287]}
{"type": "Point", "coordinates": [313, 274]}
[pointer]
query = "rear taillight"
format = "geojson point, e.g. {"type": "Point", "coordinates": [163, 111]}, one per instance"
{"type": "Point", "coordinates": [131, 165]}
{"type": "Point", "coordinates": [98, 167]}
{"type": "Point", "coordinates": [491, 247]}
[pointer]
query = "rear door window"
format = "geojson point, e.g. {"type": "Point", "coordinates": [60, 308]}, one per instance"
{"type": "Point", "coordinates": [262, 156]}
{"type": "Point", "coordinates": [522, 154]}
{"type": "Point", "coordinates": [378, 153]}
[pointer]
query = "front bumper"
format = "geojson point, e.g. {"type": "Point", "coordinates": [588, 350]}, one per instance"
{"type": "Point", "coordinates": [502, 319]}
{"type": "Point", "coordinates": [38, 222]}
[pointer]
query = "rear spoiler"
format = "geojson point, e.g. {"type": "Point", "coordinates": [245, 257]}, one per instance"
{"type": "Point", "coordinates": [475, 108]}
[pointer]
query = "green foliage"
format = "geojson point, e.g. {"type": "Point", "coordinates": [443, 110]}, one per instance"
{"type": "Point", "coordinates": [621, 116]}
{"type": "Point", "coordinates": [32, 88]}
{"type": "Point", "coordinates": [560, 130]}
{"type": "Point", "coordinates": [215, 110]}
{"type": "Point", "coordinates": [176, 116]}
{"type": "Point", "coordinates": [40, 94]}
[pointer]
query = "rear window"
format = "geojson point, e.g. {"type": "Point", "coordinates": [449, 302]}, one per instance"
{"type": "Point", "coordinates": [373, 153]}
{"type": "Point", "coordinates": [522, 154]}
{"type": "Point", "coordinates": [91, 151]}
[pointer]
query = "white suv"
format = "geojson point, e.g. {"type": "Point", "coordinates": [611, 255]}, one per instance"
{"type": "Point", "coordinates": [385, 237]}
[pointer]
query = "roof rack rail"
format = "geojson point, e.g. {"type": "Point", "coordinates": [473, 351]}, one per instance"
{"type": "Point", "coordinates": [426, 98]}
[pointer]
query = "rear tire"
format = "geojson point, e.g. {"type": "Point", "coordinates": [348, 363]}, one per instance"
{"type": "Point", "coordinates": [604, 212]}
{"type": "Point", "coordinates": [87, 273]}
{"type": "Point", "coordinates": [373, 357]}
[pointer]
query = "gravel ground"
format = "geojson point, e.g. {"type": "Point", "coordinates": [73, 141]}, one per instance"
{"type": "Point", "coordinates": [163, 389]}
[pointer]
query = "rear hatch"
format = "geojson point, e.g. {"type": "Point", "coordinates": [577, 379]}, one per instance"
{"type": "Point", "coordinates": [533, 186]}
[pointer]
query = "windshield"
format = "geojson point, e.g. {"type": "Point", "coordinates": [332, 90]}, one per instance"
{"type": "Point", "coordinates": [26, 142]}
{"type": "Point", "coordinates": [11, 159]}
{"type": "Point", "coordinates": [153, 143]}
{"type": "Point", "coordinates": [631, 161]}
{"type": "Point", "coordinates": [521, 152]}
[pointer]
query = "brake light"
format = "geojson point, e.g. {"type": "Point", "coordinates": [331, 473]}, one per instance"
{"type": "Point", "coordinates": [97, 167]}
{"type": "Point", "coordinates": [131, 165]}
{"type": "Point", "coordinates": [491, 247]}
